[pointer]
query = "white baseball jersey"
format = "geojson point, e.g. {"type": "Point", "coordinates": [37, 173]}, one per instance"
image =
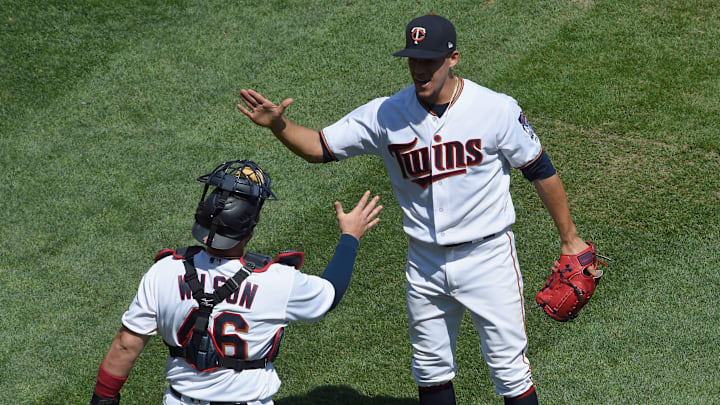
{"type": "Point", "coordinates": [450, 174]}
{"type": "Point", "coordinates": [245, 325]}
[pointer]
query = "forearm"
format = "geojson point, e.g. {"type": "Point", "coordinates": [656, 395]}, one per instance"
{"type": "Point", "coordinates": [124, 351]}
{"type": "Point", "coordinates": [552, 194]}
{"type": "Point", "coordinates": [302, 141]}
{"type": "Point", "coordinates": [116, 366]}
{"type": "Point", "coordinates": [339, 269]}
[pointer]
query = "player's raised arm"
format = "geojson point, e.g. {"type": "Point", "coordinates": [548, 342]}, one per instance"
{"type": "Point", "coordinates": [302, 141]}
{"type": "Point", "coordinates": [353, 226]}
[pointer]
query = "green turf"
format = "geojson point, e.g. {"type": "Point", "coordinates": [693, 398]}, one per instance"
{"type": "Point", "coordinates": [110, 110]}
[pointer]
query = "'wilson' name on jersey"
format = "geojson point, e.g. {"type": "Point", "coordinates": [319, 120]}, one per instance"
{"type": "Point", "coordinates": [243, 296]}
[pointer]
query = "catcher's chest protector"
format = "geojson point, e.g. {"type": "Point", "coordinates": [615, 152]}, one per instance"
{"type": "Point", "coordinates": [199, 350]}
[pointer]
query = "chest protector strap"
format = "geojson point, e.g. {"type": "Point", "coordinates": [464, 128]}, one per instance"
{"type": "Point", "coordinates": [207, 301]}
{"type": "Point", "coordinates": [200, 351]}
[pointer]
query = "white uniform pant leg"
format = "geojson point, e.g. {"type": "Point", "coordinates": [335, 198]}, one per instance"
{"type": "Point", "coordinates": [489, 285]}
{"type": "Point", "coordinates": [433, 316]}
{"type": "Point", "coordinates": [170, 399]}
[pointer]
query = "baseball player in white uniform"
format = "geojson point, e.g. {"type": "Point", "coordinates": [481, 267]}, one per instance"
{"type": "Point", "coordinates": [448, 145]}
{"type": "Point", "coordinates": [222, 311]}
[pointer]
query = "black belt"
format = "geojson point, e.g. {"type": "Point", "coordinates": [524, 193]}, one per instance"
{"type": "Point", "coordinates": [470, 242]}
{"type": "Point", "coordinates": [179, 396]}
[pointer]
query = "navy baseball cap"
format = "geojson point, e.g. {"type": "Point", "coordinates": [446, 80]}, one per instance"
{"type": "Point", "coordinates": [428, 37]}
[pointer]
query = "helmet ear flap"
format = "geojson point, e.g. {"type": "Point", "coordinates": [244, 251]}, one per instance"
{"type": "Point", "coordinates": [224, 219]}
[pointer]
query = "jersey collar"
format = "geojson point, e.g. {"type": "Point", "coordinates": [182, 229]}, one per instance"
{"type": "Point", "coordinates": [456, 94]}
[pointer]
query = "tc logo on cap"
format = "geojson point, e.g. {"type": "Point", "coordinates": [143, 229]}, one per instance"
{"type": "Point", "coordinates": [428, 37]}
{"type": "Point", "coordinates": [417, 34]}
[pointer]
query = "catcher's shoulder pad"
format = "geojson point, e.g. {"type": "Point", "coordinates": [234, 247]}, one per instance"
{"type": "Point", "coordinates": [262, 262]}
{"type": "Point", "coordinates": [291, 257]}
{"type": "Point", "coordinates": [177, 254]}
{"type": "Point", "coordinates": [257, 260]}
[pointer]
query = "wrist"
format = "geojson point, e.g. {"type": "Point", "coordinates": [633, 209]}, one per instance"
{"type": "Point", "coordinates": [572, 246]}
{"type": "Point", "coordinates": [568, 235]}
{"type": "Point", "coordinates": [108, 385]}
{"type": "Point", "coordinates": [349, 240]}
{"type": "Point", "coordinates": [278, 125]}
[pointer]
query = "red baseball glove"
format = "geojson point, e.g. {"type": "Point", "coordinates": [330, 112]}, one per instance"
{"type": "Point", "coordinates": [570, 285]}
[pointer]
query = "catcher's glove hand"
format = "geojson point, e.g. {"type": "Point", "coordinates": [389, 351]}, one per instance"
{"type": "Point", "coordinates": [570, 285]}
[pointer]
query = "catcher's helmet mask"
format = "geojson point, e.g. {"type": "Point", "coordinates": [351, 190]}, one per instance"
{"type": "Point", "coordinates": [231, 211]}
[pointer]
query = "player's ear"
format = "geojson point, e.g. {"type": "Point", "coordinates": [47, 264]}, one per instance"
{"type": "Point", "coordinates": [453, 58]}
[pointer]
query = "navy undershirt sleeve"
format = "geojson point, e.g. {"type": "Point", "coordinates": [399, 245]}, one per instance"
{"type": "Point", "coordinates": [339, 270]}
{"type": "Point", "coordinates": [541, 168]}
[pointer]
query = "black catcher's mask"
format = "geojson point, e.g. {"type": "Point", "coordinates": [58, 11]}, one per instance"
{"type": "Point", "coordinates": [232, 209]}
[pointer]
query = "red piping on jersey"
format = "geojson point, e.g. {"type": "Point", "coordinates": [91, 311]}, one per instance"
{"type": "Point", "coordinates": [276, 345]}
{"type": "Point", "coordinates": [185, 322]}
{"type": "Point", "coordinates": [457, 95]}
{"type": "Point", "coordinates": [532, 161]}
{"type": "Point", "coordinates": [322, 139]}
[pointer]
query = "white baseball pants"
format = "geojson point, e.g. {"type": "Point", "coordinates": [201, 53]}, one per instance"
{"type": "Point", "coordinates": [483, 278]}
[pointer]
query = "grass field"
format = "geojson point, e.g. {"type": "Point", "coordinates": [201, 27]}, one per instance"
{"type": "Point", "coordinates": [110, 110]}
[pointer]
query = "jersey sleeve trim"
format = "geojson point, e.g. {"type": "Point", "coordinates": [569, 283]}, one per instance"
{"type": "Point", "coordinates": [533, 161]}
{"type": "Point", "coordinates": [328, 156]}
{"type": "Point", "coordinates": [539, 169]}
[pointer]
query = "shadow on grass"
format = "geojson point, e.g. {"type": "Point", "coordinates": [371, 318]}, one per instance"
{"type": "Point", "coordinates": [342, 395]}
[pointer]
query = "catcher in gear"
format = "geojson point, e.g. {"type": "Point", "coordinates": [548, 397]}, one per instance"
{"type": "Point", "coordinates": [571, 284]}
{"type": "Point", "coordinates": [221, 310]}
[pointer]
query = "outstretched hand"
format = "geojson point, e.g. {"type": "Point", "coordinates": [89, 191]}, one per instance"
{"type": "Point", "coordinates": [361, 218]}
{"type": "Point", "coordinates": [262, 111]}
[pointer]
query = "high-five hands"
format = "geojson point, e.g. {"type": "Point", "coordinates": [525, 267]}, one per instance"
{"type": "Point", "coordinates": [361, 218]}
{"type": "Point", "coordinates": [262, 111]}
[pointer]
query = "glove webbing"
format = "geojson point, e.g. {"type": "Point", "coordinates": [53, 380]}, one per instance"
{"type": "Point", "coordinates": [207, 301]}
{"type": "Point", "coordinates": [578, 291]}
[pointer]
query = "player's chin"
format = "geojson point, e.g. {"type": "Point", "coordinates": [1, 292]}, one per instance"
{"type": "Point", "coordinates": [423, 89]}
{"type": "Point", "coordinates": [422, 84]}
